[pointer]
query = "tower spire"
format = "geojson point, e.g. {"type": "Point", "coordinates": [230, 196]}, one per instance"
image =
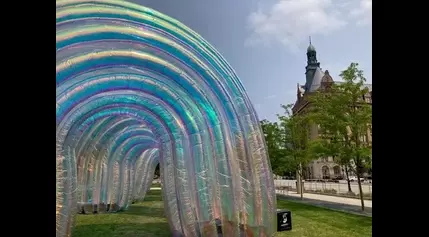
{"type": "Point", "coordinates": [312, 62]}
{"type": "Point", "coordinates": [311, 54]}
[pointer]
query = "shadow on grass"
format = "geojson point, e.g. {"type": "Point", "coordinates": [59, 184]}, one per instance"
{"type": "Point", "coordinates": [122, 230]}
{"type": "Point", "coordinates": [330, 205]}
{"type": "Point", "coordinates": [153, 195]}
{"type": "Point", "coordinates": [307, 219]}
{"type": "Point", "coordinates": [146, 219]}
{"type": "Point", "coordinates": [151, 206]}
{"type": "Point", "coordinates": [148, 211]}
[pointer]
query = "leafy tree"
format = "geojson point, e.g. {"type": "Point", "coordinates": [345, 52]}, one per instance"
{"type": "Point", "coordinates": [344, 119]}
{"type": "Point", "coordinates": [273, 139]}
{"type": "Point", "coordinates": [331, 131]}
{"type": "Point", "coordinates": [296, 142]}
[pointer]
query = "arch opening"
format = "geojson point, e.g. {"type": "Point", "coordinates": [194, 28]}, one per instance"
{"type": "Point", "coordinates": [135, 89]}
{"type": "Point", "coordinates": [325, 172]}
{"type": "Point", "coordinates": [337, 172]}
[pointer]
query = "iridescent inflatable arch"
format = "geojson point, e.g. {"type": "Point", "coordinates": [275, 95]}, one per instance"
{"type": "Point", "coordinates": [135, 88]}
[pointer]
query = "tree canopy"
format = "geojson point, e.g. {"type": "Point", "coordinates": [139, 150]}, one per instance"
{"type": "Point", "coordinates": [344, 115]}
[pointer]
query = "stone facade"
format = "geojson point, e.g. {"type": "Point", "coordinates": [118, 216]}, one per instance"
{"type": "Point", "coordinates": [316, 79]}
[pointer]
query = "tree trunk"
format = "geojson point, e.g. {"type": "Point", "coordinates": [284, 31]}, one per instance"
{"type": "Point", "coordinates": [348, 180]}
{"type": "Point", "coordinates": [301, 183]}
{"type": "Point", "coordinates": [360, 191]}
{"type": "Point", "coordinates": [298, 182]}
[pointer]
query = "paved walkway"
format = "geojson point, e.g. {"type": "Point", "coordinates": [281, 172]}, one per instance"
{"type": "Point", "coordinates": [350, 205]}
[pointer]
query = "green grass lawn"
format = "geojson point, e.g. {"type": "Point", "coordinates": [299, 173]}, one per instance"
{"type": "Point", "coordinates": [156, 185]}
{"type": "Point", "coordinates": [147, 219]}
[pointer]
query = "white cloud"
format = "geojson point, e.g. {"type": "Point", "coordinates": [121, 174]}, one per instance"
{"type": "Point", "coordinates": [363, 13]}
{"type": "Point", "coordinates": [290, 22]}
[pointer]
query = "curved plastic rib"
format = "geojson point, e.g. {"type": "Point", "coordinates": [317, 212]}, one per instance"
{"type": "Point", "coordinates": [136, 88]}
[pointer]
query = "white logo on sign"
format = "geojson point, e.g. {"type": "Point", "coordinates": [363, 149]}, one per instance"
{"type": "Point", "coordinates": [284, 218]}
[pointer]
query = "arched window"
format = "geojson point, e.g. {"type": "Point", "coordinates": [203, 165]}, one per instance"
{"type": "Point", "coordinates": [337, 171]}
{"type": "Point", "coordinates": [325, 172]}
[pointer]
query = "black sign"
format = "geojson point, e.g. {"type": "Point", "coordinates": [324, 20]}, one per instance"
{"type": "Point", "coordinates": [284, 220]}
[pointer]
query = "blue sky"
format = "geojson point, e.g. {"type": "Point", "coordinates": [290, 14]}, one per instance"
{"type": "Point", "coordinates": [265, 41]}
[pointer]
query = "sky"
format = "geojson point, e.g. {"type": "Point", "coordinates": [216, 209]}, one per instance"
{"type": "Point", "coordinates": [265, 41]}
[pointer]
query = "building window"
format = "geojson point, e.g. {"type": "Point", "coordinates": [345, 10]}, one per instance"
{"type": "Point", "coordinates": [325, 172]}
{"type": "Point", "coordinates": [337, 171]}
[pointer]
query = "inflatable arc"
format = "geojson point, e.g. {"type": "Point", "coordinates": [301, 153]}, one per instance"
{"type": "Point", "coordinates": [136, 88]}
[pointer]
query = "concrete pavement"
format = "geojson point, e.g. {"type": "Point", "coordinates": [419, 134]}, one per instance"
{"type": "Point", "coordinates": [329, 198]}
{"type": "Point", "coordinates": [349, 205]}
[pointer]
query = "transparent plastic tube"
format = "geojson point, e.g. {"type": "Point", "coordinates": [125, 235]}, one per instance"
{"type": "Point", "coordinates": [136, 88]}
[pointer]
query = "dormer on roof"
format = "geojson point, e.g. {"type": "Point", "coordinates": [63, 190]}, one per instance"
{"type": "Point", "coordinates": [327, 81]}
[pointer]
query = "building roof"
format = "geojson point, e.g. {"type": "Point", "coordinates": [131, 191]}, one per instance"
{"type": "Point", "coordinates": [311, 48]}
{"type": "Point", "coordinates": [317, 86]}
{"type": "Point", "coordinates": [369, 86]}
{"type": "Point", "coordinates": [314, 74]}
{"type": "Point", "coordinates": [316, 80]}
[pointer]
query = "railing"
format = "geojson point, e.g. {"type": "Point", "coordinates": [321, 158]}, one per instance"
{"type": "Point", "coordinates": [328, 188]}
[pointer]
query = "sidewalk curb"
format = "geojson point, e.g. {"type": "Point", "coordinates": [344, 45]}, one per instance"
{"type": "Point", "coordinates": [350, 209]}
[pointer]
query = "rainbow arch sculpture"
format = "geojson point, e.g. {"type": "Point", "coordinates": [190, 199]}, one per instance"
{"type": "Point", "coordinates": [135, 88]}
